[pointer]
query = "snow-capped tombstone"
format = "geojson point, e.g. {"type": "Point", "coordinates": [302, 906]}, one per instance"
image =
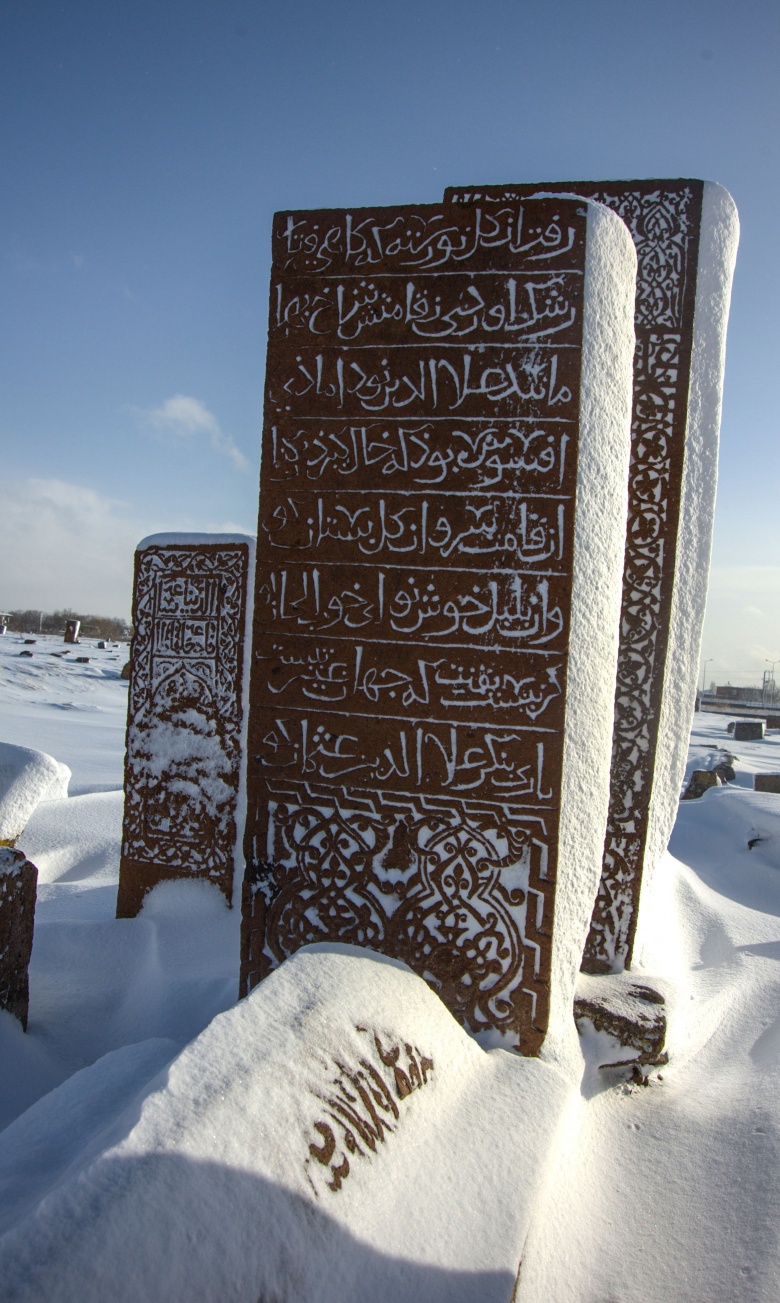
{"type": "Point", "coordinates": [72, 629]}
{"type": "Point", "coordinates": [18, 883]}
{"type": "Point", "coordinates": [336, 1137]}
{"type": "Point", "coordinates": [185, 724]}
{"type": "Point", "coordinates": [442, 518]}
{"type": "Point", "coordinates": [686, 233]}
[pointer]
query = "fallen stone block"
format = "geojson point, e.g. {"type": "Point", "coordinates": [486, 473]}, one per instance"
{"type": "Point", "coordinates": [748, 730]}
{"type": "Point", "coordinates": [629, 1011]}
{"type": "Point", "coordinates": [766, 783]}
{"type": "Point", "coordinates": [701, 780]}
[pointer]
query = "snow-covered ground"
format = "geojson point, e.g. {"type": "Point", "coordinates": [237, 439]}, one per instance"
{"type": "Point", "coordinates": [667, 1192]}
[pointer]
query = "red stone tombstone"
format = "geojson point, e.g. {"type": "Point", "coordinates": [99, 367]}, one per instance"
{"type": "Point", "coordinates": [685, 234]}
{"type": "Point", "coordinates": [18, 886]}
{"type": "Point", "coordinates": [185, 729]}
{"type": "Point", "coordinates": [414, 592]}
{"type": "Point", "coordinates": [72, 628]}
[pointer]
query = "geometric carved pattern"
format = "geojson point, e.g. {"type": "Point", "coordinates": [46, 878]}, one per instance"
{"type": "Point", "coordinates": [412, 597]}
{"type": "Point", "coordinates": [664, 219]}
{"type": "Point", "coordinates": [183, 755]}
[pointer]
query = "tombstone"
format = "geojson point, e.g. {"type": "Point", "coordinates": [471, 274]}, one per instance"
{"type": "Point", "coordinates": [18, 883]}
{"type": "Point", "coordinates": [748, 730]}
{"type": "Point", "coordinates": [72, 628]}
{"type": "Point", "coordinates": [435, 620]}
{"type": "Point", "coordinates": [685, 232]}
{"type": "Point", "coordinates": [766, 783]}
{"type": "Point", "coordinates": [185, 723]}
{"type": "Point", "coordinates": [335, 1137]}
{"type": "Point", "coordinates": [701, 780]}
{"type": "Point", "coordinates": [773, 721]}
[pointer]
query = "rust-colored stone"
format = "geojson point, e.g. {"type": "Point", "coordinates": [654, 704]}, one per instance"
{"type": "Point", "coordinates": [18, 884]}
{"type": "Point", "coordinates": [412, 596]}
{"type": "Point", "coordinates": [185, 717]}
{"type": "Point", "coordinates": [766, 783]}
{"type": "Point", "coordinates": [701, 781]}
{"type": "Point", "coordinates": [664, 218]}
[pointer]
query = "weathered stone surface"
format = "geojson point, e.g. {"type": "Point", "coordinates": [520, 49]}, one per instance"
{"type": "Point", "coordinates": [766, 782]}
{"type": "Point", "coordinates": [420, 609]}
{"type": "Point", "coordinates": [125, 671]}
{"type": "Point", "coordinates": [773, 721]}
{"type": "Point", "coordinates": [18, 883]}
{"type": "Point", "coordinates": [184, 757]}
{"type": "Point", "coordinates": [748, 730]}
{"type": "Point", "coordinates": [685, 233]}
{"type": "Point", "coordinates": [632, 1013]}
{"type": "Point", "coordinates": [701, 781]}
{"type": "Point", "coordinates": [72, 628]}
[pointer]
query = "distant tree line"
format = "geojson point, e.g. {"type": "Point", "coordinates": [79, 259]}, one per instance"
{"type": "Point", "coordinates": [92, 626]}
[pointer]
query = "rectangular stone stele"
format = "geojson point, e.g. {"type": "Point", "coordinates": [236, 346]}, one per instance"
{"type": "Point", "coordinates": [766, 783]}
{"type": "Point", "coordinates": [414, 590]}
{"type": "Point", "coordinates": [773, 721]}
{"type": "Point", "coordinates": [184, 758]}
{"type": "Point", "coordinates": [685, 233]}
{"type": "Point", "coordinates": [18, 886]}
{"type": "Point", "coordinates": [72, 628]}
{"type": "Point", "coordinates": [748, 730]}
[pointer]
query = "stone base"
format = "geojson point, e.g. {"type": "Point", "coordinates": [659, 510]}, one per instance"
{"type": "Point", "coordinates": [632, 1013]}
{"type": "Point", "coordinates": [137, 879]}
{"type": "Point", "coordinates": [18, 884]}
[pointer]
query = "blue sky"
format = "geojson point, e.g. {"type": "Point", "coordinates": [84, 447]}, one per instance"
{"type": "Point", "coordinates": [145, 146]}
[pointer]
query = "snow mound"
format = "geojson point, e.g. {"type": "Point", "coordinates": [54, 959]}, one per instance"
{"type": "Point", "coordinates": [27, 777]}
{"type": "Point", "coordinates": [336, 1136]}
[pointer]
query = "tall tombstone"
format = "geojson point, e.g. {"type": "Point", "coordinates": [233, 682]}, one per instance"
{"type": "Point", "coordinates": [72, 629]}
{"type": "Point", "coordinates": [686, 233]}
{"type": "Point", "coordinates": [186, 719]}
{"type": "Point", "coordinates": [442, 516]}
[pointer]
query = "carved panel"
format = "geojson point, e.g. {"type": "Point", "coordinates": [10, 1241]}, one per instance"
{"type": "Point", "coordinates": [664, 219]}
{"type": "Point", "coordinates": [184, 731]}
{"type": "Point", "coordinates": [413, 594]}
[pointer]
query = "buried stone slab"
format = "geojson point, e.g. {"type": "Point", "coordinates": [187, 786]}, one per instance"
{"type": "Point", "coordinates": [442, 516]}
{"type": "Point", "coordinates": [701, 781]}
{"type": "Point", "coordinates": [336, 1136]}
{"type": "Point", "coordinates": [631, 1012]}
{"type": "Point", "coordinates": [186, 713]}
{"type": "Point", "coordinates": [18, 884]}
{"type": "Point", "coordinates": [685, 232]}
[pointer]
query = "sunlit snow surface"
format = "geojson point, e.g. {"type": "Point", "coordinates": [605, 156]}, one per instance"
{"type": "Point", "coordinates": [669, 1192]}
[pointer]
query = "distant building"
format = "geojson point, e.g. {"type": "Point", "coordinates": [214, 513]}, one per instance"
{"type": "Point", "coordinates": [729, 693]}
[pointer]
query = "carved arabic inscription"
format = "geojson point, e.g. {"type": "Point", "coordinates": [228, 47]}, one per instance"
{"type": "Point", "coordinates": [412, 598]}
{"type": "Point", "coordinates": [664, 219]}
{"type": "Point", "coordinates": [184, 718]}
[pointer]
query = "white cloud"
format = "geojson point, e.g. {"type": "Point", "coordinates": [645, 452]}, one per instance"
{"type": "Point", "coordinates": [66, 545]}
{"type": "Point", "coordinates": [742, 624]}
{"type": "Point", "coordinates": [188, 417]}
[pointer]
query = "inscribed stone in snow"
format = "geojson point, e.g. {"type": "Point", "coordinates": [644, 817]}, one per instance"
{"type": "Point", "coordinates": [685, 232]}
{"type": "Point", "coordinates": [428, 492]}
{"type": "Point", "coordinates": [184, 758]}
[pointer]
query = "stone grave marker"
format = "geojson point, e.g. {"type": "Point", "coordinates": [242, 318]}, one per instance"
{"type": "Point", "coordinates": [18, 885]}
{"type": "Point", "coordinates": [72, 628]}
{"type": "Point", "coordinates": [766, 783]}
{"type": "Point", "coordinates": [748, 730]}
{"type": "Point", "coordinates": [186, 714]}
{"type": "Point", "coordinates": [685, 232]}
{"type": "Point", "coordinates": [442, 519]}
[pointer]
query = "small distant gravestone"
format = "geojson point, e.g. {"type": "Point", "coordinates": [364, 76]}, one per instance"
{"type": "Point", "coordinates": [72, 628]}
{"type": "Point", "coordinates": [748, 730]}
{"type": "Point", "coordinates": [442, 517]}
{"type": "Point", "coordinates": [766, 783]}
{"type": "Point", "coordinates": [773, 721]}
{"type": "Point", "coordinates": [18, 883]}
{"type": "Point", "coordinates": [685, 232]}
{"type": "Point", "coordinates": [185, 731]}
